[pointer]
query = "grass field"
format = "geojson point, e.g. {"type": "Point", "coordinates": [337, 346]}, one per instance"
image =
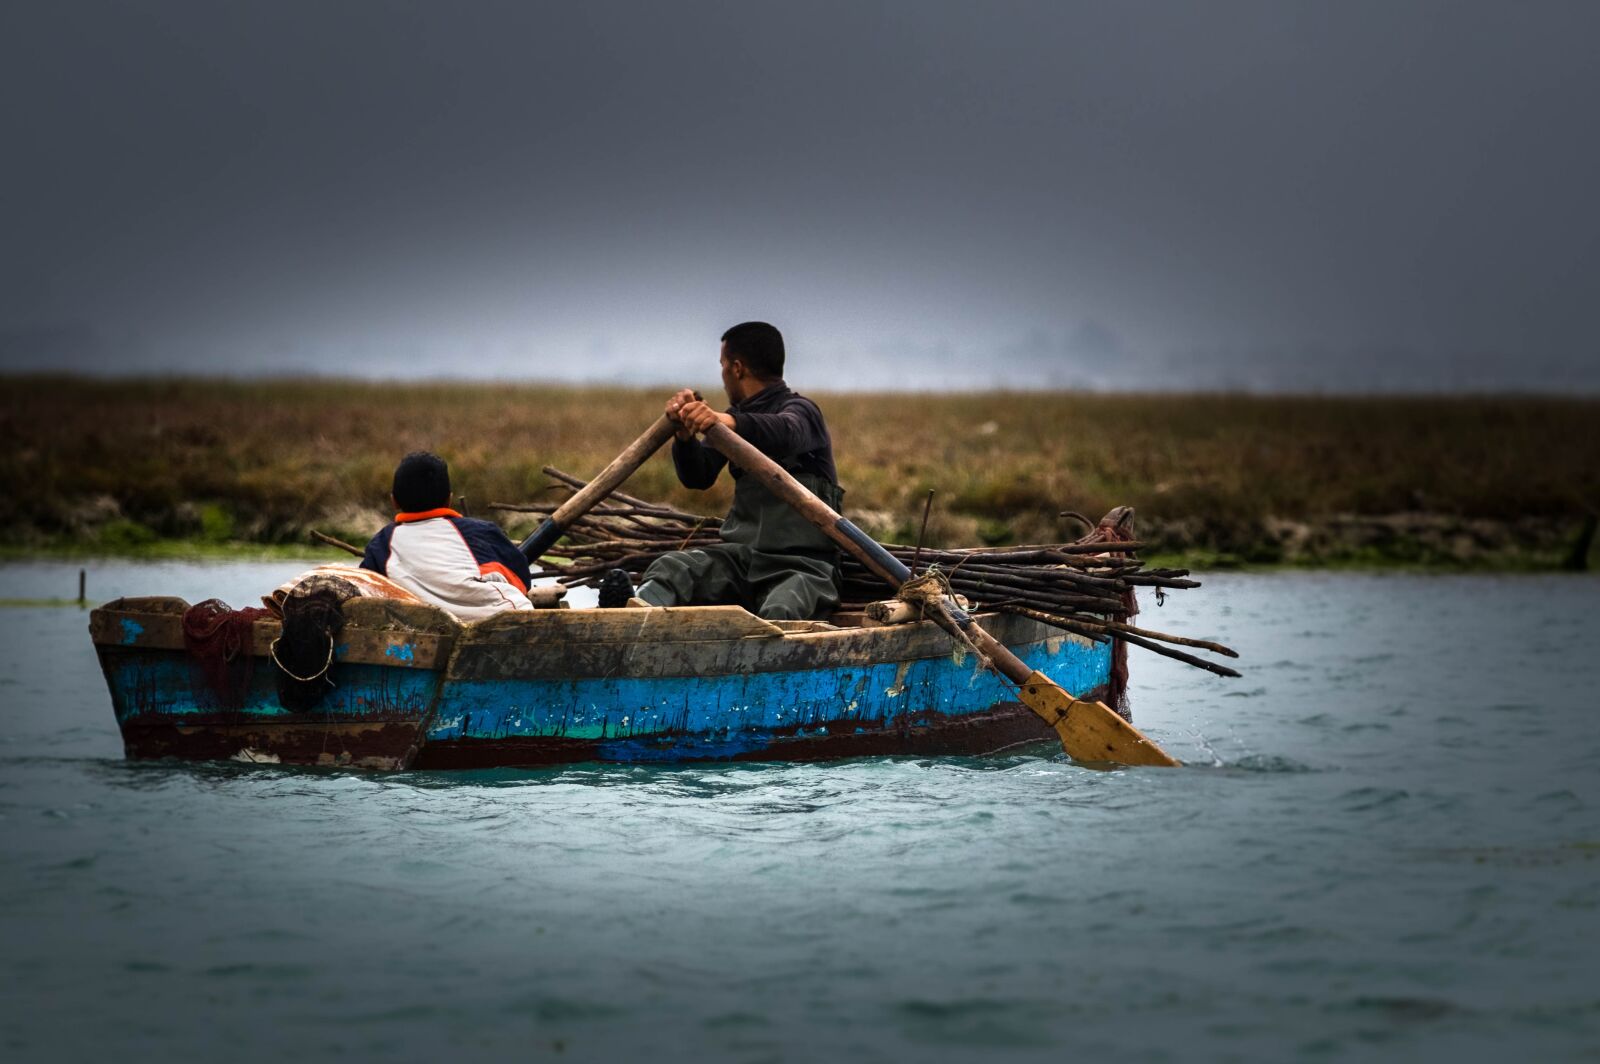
{"type": "Point", "coordinates": [117, 464]}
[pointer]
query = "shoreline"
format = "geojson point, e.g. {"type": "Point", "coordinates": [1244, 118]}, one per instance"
{"type": "Point", "coordinates": [1395, 553]}
{"type": "Point", "coordinates": [190, 468]}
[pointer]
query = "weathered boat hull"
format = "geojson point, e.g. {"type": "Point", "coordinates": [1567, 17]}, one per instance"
{"type": "Point", "coordinates": [413, 689]}
{"type": "Point", "coordinates": [386, 682]}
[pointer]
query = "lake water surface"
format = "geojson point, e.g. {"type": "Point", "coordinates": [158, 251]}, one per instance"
{"type": "Point", "coordinates": [1386, 846]}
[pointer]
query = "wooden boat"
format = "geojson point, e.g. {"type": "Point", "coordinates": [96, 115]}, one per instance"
{"type": "Point", "coordinates": [412, 688]}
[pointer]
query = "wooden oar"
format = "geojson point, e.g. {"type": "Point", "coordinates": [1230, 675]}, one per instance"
{"type": "Point", "coordinates": [610, 478]}
{"type": "Point", "coordinates": [1089, 731]}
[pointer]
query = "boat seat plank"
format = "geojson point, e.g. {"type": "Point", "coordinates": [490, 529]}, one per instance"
{"type": "Point", "coordinates": [382, 614]}
{"type": "Point", "coordinates": [656, 624]}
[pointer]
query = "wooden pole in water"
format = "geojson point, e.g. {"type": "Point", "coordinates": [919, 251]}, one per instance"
{"type": "Point", "coordinates": [83, 587]}
{"type": "Point", "coordinates": [1089, 731]}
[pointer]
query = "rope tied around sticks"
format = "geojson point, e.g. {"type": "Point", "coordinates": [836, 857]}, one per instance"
{"type": "Point", "coordinates": [922, 591]}
{"type": "Point", "coordinates": [928, 592]}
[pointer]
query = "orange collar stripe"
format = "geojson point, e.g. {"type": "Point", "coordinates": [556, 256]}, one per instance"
{"type": "Point", "coordinates": [423, 515]}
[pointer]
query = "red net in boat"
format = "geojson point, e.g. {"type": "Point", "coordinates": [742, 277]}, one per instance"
{"type": "Point", "coordinates": [217, 638]}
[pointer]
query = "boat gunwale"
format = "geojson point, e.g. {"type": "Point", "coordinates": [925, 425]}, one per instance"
{"type": "Point", "coordinates": [409, 647]}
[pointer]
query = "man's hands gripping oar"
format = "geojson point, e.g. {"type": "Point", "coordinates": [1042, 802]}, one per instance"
{"type": "Point", "coordinates": [1089, 731]}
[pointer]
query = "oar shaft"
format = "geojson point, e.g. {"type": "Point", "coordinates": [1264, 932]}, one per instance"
{"type": "Point", "coordinates": [587, 497]}
{"type": "Point", "coordinates": [863, 547]}
{"type": "Point", "coordinates": [1089, 731]}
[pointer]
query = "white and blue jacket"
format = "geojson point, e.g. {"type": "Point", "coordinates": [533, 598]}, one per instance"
{"type": "Point", "coordinates": [466, 566]}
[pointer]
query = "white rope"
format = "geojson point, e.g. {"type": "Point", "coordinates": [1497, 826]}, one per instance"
{"type": "Point", "coordinates": [272, 652]}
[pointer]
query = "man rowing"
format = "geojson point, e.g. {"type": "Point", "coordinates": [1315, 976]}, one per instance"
{"type": "Point", "coordinates": [771, 561]}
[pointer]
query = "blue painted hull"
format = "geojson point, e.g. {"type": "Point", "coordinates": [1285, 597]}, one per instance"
{"type": "Point", "coordinates": [887, 707]}
{"type": "Point", "coordinates": [563, 686]}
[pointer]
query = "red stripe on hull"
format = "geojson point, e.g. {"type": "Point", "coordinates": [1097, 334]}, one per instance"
{"type": "Point", "coordinates": [370, 746]}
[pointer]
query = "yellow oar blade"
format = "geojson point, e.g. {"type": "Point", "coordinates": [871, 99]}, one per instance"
{"type": "Point", "coordinates": [1090, 731]}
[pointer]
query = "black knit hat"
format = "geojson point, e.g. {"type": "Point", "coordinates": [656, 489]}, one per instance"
{"type": "Point", "coordinates": [421, 482]}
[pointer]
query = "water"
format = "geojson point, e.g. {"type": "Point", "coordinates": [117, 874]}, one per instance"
{"type": "Point", "coordinates": [1387, 847]}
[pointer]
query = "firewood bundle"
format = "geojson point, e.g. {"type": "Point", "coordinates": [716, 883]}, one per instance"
{"type": "Point", "coordinates": [1085, 587]}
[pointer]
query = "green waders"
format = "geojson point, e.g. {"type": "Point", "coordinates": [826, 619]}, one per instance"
{"type": "Point", "coordinates": [772, 561]}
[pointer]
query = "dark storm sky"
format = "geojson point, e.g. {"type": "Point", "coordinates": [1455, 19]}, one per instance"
{"type": "Point", "coordinates": [1272, 195]}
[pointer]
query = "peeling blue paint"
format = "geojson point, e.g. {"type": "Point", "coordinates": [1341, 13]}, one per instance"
{"type": "Point", "coordinates": [623, 718]}
{"type": "Point", "coordinates": [675, 718]}
{"type": "Point", "coordinates": [162, 682]}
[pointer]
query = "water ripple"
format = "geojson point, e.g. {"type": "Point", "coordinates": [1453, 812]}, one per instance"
{"type": "Point", "coordinates": [1370, 856]}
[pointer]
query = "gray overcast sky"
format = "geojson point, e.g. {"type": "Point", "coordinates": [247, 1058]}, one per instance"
{"type": "Point", "coordinates": [1276, 195]}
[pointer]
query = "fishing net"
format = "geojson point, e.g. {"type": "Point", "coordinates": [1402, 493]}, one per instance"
{"type": "Point", "coordinates": [312, 608]}
{"type": "Point", "coordinates": [313, 617]}
{"type": "Point", "coordinates": [217, 638]}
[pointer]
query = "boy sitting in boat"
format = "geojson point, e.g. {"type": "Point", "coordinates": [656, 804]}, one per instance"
{"type": "Point", "coordinates": [464, 565]}
{"type": "Point", "coordinates": [772, 561]}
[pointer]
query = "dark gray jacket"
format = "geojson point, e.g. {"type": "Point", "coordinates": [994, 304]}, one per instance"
{"type": "Point", "coordinates": [789, 429]}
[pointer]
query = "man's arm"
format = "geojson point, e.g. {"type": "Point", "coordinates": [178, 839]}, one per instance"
{"type": "Point", "coordinates": [376, 557]}
{"type": "Point", "coordinates": [786, 433]}
{"type": "Point", "coordinates": [509, 562]}
{"type": "Point", "coordinates": [789, 432]}
{"type": "Point", "coordinates": [493, 552]}
{"type": "Point", "coordinates": [697, 464]}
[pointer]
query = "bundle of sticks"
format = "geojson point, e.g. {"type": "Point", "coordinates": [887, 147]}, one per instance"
{"type": "Point", "coordinates": [1085, 587]}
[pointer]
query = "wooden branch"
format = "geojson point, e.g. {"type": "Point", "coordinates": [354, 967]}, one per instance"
{"type": "Point", "coordinates": [1091, 629]}
{"type": "Point", "coordinates": [322, 537]}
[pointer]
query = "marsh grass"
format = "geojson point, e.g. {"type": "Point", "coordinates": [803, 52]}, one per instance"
{"type": "Point", "coordinates": [127, 464]}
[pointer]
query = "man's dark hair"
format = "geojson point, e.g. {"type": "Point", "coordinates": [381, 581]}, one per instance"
{"type": "Point", "coordinates": [421, 482]}
{"type": "Point", "coordinates": [759, 346]}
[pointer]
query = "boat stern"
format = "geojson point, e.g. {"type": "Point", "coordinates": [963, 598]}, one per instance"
{"type": "Point", "coordinates": [386, 668]}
